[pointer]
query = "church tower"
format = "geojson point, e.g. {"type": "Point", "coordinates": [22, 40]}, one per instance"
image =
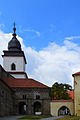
{"type": "Point", "coordinates": [14, 60]}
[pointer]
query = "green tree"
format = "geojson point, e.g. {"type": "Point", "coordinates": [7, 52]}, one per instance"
{"type": "Point", "coordinates": [59, 91]}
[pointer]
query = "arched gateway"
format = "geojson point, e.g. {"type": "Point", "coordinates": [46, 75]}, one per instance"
{"type": "Point", "coordinates": [37, 108]}
{"type": "Point", "coordinates": [22, 108]}
{"type": "Point", "coordinates": [64, 111]}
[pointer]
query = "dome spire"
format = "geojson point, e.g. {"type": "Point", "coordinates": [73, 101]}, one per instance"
{"type": "Point", "coordinates": [14, 44]}
{"type": "Point", "coordinates": [14, 30]}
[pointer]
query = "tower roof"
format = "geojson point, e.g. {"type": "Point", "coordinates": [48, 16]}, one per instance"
{"type": "Point", "coordinates": [14, 44]}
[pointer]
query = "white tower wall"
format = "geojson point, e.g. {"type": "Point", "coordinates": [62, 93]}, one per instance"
{"type": "Point", "coordinates": [18, 61]}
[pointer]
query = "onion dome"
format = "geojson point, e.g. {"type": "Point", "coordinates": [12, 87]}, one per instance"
{"type": "Point", "coordinates": [14, 44]}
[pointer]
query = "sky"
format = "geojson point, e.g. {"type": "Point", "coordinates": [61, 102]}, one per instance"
{"type": "Point", "coordinates": [49, 32]}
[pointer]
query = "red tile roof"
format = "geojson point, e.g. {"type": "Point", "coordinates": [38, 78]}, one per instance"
{"type": "Point", "coordinates": [71, 94]}
{"type": "Point", "coordinates": [24, 83]}
{"type": "Point", "coordinates": [77, 73]}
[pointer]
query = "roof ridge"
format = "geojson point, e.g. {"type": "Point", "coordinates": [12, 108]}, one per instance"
{"type": "Point", "coordinates": [38, 82]}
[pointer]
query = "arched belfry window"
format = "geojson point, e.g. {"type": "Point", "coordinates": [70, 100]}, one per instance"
{"type": "Point", "coordinates": [13, 66]}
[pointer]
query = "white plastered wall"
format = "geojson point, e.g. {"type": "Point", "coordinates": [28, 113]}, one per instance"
{"type": "Point", "coordinates": [18, 61]}
{"type": "Point", "coordinates": [55, 106]}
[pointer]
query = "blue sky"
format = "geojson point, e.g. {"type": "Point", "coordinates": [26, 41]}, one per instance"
{"type": "Point", "coordinates": [52, 19]}
{"type": "Point", "coordinates": [49, 32]}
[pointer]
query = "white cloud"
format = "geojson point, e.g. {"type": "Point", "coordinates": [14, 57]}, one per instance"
{"type": "Point", "coordinates": [51, 64]}
{"type": "Point", "coordinates": [72, 38]}
{"type": "Point", "coordinates": [34, 31]}
{"type": "Point", "coordinates": [55, 63]}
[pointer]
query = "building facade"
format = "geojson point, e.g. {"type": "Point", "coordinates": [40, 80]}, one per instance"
{"type": "Point", "coordinates": [18, 93]}
{"type": "Point", "coordinates": [77, 93]}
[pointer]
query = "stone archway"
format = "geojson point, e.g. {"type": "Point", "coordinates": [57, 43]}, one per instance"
{"type": "Point", "coordinates": [64, 111]}
{"type": "Point", "coordinates": [37, 108]}
{"type": "Point", "coordinates": [22, 108]}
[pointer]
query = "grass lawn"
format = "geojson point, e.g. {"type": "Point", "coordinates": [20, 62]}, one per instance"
{"type": "Point", "coordinates": [32, 117]}
{"type": "Point", "coordinates": [69, 118]}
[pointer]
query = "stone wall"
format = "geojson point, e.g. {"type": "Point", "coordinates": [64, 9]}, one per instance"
{"type": "Point", "coordinates": [6, 94]}
{"type": "Point", "coordinates": [6, 100]}
{"type": "Point", "coordinates": [28, 96]}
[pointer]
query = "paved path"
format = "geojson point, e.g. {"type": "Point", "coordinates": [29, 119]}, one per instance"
{"type": "Point", "coordinates": [9, 118]}
{"type": "Point", "coordinates": [15, 118]}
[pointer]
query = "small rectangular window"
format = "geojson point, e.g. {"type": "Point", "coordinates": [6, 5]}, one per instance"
{"type": "Point", "coordinates": [37, 96]}
{"type": "Point", "coordinates": [24, 96]}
